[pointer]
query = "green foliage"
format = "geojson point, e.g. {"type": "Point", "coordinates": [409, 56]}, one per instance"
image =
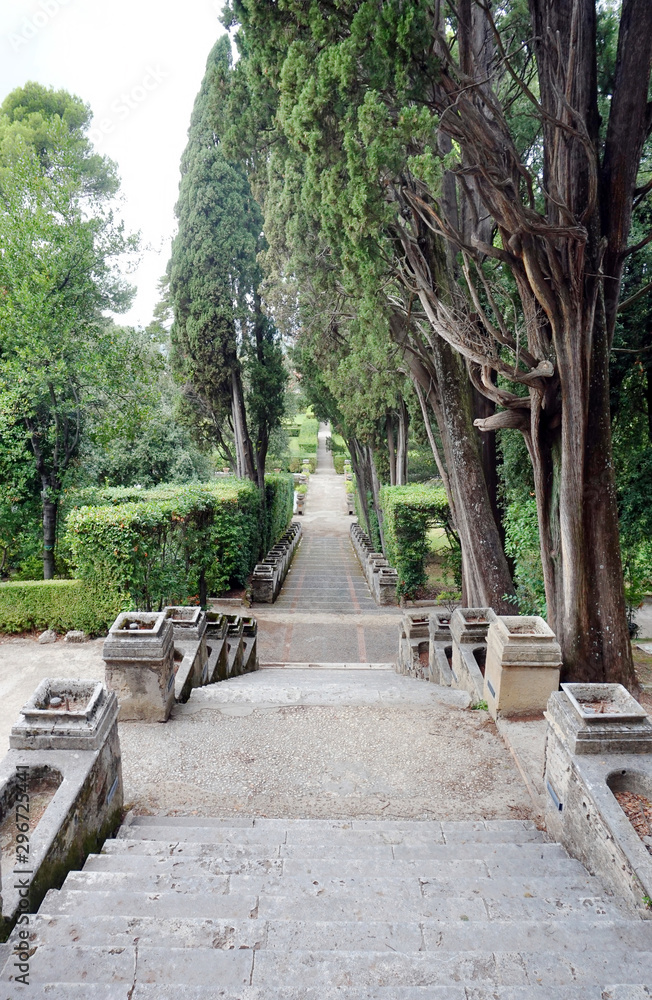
{"type": "Point", "coordinates": [279, 490]}
{"type": "Point", "coordinates": [307, 440]}
{"type": "Point", "coordinates": [220, 335]}
{"type": "Point", "coordinates": [62, 605]}
{"type": "Point", "coordinates": [408, 513]}
{"type": "Point", "coordinates": [60, 359]}
{"type": "Point", "coordinates": [522, 544]}
{"type": "Point", "coordinates": [338, 462]}
{"type": "Point", "coordinates": [162, 546]}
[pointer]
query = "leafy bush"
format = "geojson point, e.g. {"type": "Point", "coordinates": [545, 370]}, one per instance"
{"type": "Point", "coordinates": [338, 462]}
{"type": "Point", "coordinates": [58, 604]}
{"type": "Point", "coordinates": [308, 436]}
{"type": "Point", "coordinates": [522, 545]}
{"type": "Point", "coordinates": [296, 465]}
{"type": "Point", "coordinates": [170, 544]}
{"type": "Point", "coordinates": [279, 496]}
{"type": "Point", "coordinates": [409, 512]}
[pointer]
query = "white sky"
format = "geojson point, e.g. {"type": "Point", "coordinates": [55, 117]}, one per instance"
{"type": "Point", "coordinates": [139, 64]}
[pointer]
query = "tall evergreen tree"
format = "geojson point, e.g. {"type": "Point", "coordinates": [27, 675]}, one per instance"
{"type": "Point", "coordinates": [225, 350]}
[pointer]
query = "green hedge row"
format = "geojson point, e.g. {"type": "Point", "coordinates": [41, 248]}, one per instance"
{"type": "Point", "coordinates": [308, 436]}
{"type": "Point", "coordinates": [175, 544]}
{"type": "Point", "coordinates": [408, 513]}
{"type": "Point", "coordinates": [58, 604]}
{"type": "Point", "coordinates": [279, 504]}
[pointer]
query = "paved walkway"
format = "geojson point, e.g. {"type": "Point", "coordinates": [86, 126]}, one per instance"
{"type": "Point", "coordinates": [325, 612]}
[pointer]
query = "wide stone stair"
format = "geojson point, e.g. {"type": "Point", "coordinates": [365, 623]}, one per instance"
{"type": "Point", "coordinates": [265, 909]}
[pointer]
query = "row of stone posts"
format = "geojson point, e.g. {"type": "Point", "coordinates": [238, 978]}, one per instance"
{"type": "Point", "coordinates": [511, 662]}
{"type": "Point", "coordinates": [156, 658]}
{"type": "Point", "coordinates": [380, 576]}
{"type": "Point", "coordinates": [268, 575]}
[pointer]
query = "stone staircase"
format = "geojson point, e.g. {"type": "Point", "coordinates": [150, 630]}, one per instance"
{"type": "Point", "coordinates": [264, 909]}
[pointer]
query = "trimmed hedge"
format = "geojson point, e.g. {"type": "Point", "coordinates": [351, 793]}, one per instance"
{"type": "Point", "coordinates": [62, 605]}
{"type": "Point", "coordinates": [170, 544]}
{"type": "Point", "coordinates": [279, 504]}
{"type": "Point", "coordinates": [408, 513]}
{"type": "Point", "coordinates": [338, 462]}
{"type": "Point", "coordinates": [175, 544]}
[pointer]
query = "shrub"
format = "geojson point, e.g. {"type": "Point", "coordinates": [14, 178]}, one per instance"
{"type": "Point", "coordinates": [338, 462]}
{"type": "Point", "coordinates": [408, 513]}
{"type": "Point", "coordinates": [279, 497]}
{"type": "Point", "coordinates": [522, 545]}
{"type": "Point", "coordinates": [308, 436]}
{"type": "Point", "coordinates": [58, 604]}
{"type": "Point", "coordinates": [170, 544]}
{"type": "Point", "coordinates": [296, 464]}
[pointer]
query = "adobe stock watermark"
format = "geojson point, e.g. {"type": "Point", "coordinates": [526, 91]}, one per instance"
{"type": "Point", "coordinates": [36, 22]}
{"type": "Point", "coordinates": [128, 102]}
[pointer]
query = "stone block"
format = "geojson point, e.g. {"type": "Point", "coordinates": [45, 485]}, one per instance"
{"type": "Point", "coordinates": [468, 628]}
{"type": "Point", "coordinates": [65, 714]}
{"type": "Point", "coordinates": [470, 625]}
{"type": "Point", "coordinates": [75, 635]}
{"type": "Point", "coordinates": [48, 636]}
{"type": "Point", "coordinates": [65, 753]}
{"type": "Point", "coordinates": [588, 759]}
{"type": "Point", "coordinates": [139, 657]}
{"type": "Point", "coordinates": [188, 623]}
{"type": "Point", "coordinates": [522, 666]}
{"type": "Point", "coordinates": [440, 626]}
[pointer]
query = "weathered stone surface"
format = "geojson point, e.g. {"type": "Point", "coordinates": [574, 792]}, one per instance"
{"type": "Point", "coordinates": [76, 751]}
{"type": "Point", "coordinates": [586, 761]}
{"type": "Point", "coordinates": [522, 666]}
{"type": "Point", "coordinates": [48, 636]}
{"type": "Point", "coordinates": [75, 636]}
{"type": "Point", "coordinates": [139, 658]}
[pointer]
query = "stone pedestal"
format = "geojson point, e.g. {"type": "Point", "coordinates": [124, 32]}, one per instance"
{"type": "Point", "coordinates": [64, 745]}
{"type": "Point", "coordinates": [234, 646]}
{"type": "Point", "coordinates": [522, 666]}
{"type": "Point", "coordinates": [190, 651]}
{"type": "Point", "coordinates": [599, 741]}
{"type": "Point", "coordinates": [216, 628]}
{"type": "Point", "coordinates": [139, 657]}
{"type": "Point", "coordinates": [441, 646]}
{"type": "Point", "coordinates": [469, 628]}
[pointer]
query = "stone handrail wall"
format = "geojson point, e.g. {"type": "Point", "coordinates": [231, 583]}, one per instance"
{"type": "Point", "coordinates": [268, 575]}
{"type": "Point", "coordinates": [380, 576]}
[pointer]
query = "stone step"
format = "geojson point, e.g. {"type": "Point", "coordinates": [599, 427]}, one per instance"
{"type": "Point", "coordinates": [335, 835]}
{"type": "Point", "coordinates": [458, 991]}
{"type": "Point", "coordinates": [330, 935]}
{"type": "Point", "coordinates": [142, 904]}
{"type": "Point", "coordinates": [277, 969]}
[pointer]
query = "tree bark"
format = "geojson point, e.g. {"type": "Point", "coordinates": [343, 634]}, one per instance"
{"type": "Point", "coordinates": [441, 374]}
{"type": "Point", "coordinates": [244, 450]}
{"type": "Point", "coordinates": [402, 445]}
{"type": "Point", "coordinates": [49, 534]}
{"type": "Point", "coordinates": [391, 450]}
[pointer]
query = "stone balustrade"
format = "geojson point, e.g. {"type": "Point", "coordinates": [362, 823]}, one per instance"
{"type": "Point", "coordinates": [381, 577]}
{"type": "Point", "coordinates": [268, 575]}
{"type": "Point", "coordinates": [63, 773]}
{"type": "Point", "coordinates": [139, 658]}
{"type": "Point", "coordinates": [469, 628]}
{"type": "Point", "coordinates": [190, 650]}
{"type": "Point", "coordinates": [598, 744]}
{"type": "Point", "coordinates": [522, 666]}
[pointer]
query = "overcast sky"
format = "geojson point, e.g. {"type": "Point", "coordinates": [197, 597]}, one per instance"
{"type": "Point", "coordinates": [139, 64]}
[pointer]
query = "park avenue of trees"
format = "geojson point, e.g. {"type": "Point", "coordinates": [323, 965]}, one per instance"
{"type": "Point", "coordinates": [436, 216]}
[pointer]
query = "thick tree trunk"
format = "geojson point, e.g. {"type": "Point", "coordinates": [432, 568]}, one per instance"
{"type": "Point", "coordinates": [362, 473]}
{"type": "Point", "coordinates": [49, 534]}
{"type": "Point", "coordinates": [244, 450]}
{"type": "Point", "coordinates": [402, 445]}
{"type": "Point", "coordinates": [483, 408]}
{"type": "Point", "coordinates": [391, 450]}
{"type": "Point", "coordinates": [375, 489]}
{"type": "Point", "coordinates": [444, 381]}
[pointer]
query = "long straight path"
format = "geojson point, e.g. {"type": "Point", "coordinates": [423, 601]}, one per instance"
{"type": "Point", "coordinates": [325, 612]}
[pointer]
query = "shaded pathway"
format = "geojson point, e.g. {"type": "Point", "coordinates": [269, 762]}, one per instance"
{"type": "Point", "coordinates": [325, 612]}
